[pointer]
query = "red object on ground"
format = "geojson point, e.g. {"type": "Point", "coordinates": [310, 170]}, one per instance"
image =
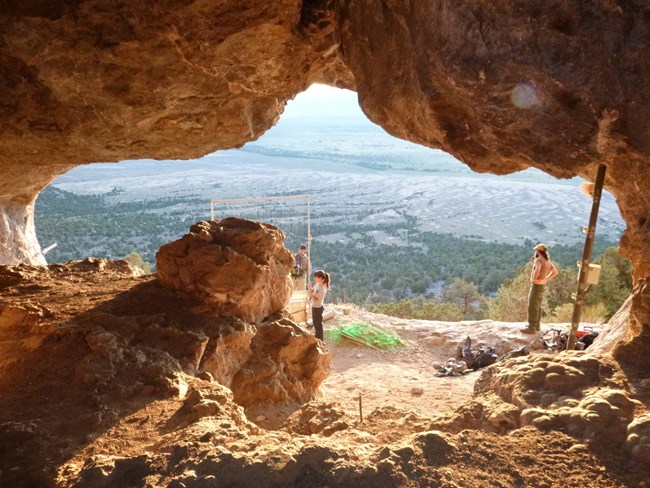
{"type": "Point", "coordinates": [585, 329]}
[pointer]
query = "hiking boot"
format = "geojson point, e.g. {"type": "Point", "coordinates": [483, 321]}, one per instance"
{"type": "Point", "coordinates": [529, 330]}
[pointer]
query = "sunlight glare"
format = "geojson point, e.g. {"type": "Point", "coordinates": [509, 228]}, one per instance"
{"type": "Point", "coordinates": [524, 95]}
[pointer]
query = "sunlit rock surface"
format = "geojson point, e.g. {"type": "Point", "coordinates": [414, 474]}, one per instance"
{"type": "Point", "coordinates": [93, 81]}
{"type": "Point", "coordinates": [18, 236]}
{"type": "Point", "coordinates": [502, 85]}
{"type": "Point", "coordinates": [232, 266]}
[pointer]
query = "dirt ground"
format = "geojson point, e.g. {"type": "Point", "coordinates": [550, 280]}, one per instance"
{"type": "Point", "coordinates": [162, 427]}
{"type": "Point", "coordinates": [404, 378]}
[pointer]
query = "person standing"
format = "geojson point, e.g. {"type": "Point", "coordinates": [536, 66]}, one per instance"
{"type": "Point", "coordinates": [317, 294]}
{"type": "Point", "coordinates": [543, 271]}
{"type": "Point", "coordinates": [302, 259]}
{"type": "Point", "coordinates": [300, 272]}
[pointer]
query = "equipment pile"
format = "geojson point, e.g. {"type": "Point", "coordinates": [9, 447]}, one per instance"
{"type": "Point", "coordinates": [467, 359]}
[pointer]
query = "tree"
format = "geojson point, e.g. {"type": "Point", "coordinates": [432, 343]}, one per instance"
{"type": "Point", "coordinates": [560, 289]}
{"type": "Point", "coordinates": [615, 283]}
{"type": "Point", "coordinates": [420, 309]}
{"type": "Point", "coordinates": [462, 293]}
{"type": "Point", "coordinates": [562, 313]}
{"type": "Point", "coordinates": [511, 302]}
{"type": "Point", "coordinates": [134, 259]}
{"type": "Point", "coordinates": [594, 314]}
{"type": "Point", "coordinates": [446, 312]}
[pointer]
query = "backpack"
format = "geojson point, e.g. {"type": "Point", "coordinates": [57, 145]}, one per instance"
{"type": "Point", "coordinates": [485, 356]}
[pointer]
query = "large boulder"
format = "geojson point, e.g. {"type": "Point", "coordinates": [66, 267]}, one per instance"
{"type": "Point", "coordinates": [232, 266]}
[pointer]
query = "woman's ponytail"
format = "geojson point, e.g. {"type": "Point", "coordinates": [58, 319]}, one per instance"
{"type": "Point", "coordinates": [327, 280]}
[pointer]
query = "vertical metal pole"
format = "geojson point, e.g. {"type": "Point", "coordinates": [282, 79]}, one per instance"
{"type": "Point", "coordinates": [308, 229]}
{"type": "Point", "coordinates": [586, 256]}
{"type": "Point", "coordinates": [211, 209]}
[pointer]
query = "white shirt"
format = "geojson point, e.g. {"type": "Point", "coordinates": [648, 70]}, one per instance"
{"type": "Point", "coordinates": [319, 292]}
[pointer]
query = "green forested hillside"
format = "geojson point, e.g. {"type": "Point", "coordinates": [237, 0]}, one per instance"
{"type": "Point", "coordinates": [416, 275]}
{"type": "Point", "coordinates": [366, 271]}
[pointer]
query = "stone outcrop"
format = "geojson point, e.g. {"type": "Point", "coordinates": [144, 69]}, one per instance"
{"type": "Point", "coordinates": [18, 236]}
{"type": "Point", "coordinates": [285, 364]}
{"type": "Point", "coordinates": [133, 337]}
{"type": "Point", "coordinates": [583, 395]}
{"type": "Point", "coordinates": [232, 266]}
{"type": "Point", "coordinates": [267, 363]}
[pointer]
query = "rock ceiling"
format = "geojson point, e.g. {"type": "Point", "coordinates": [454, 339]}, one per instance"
{"type": "Point", "coordinates": [502, 85]}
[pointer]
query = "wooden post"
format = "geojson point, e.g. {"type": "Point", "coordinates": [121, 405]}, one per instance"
{"type": "Point", "coordinates": [360, 410]}
{"type": "Point", "coordinates": [308, 227]}
{"type": "Point", "coordinates": [586, 257]}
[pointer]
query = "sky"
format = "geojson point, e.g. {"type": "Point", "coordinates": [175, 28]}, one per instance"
{"type": "Point", "coordinates": [324, 101]}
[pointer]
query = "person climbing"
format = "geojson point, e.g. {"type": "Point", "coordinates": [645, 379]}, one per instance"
{"type": "Point", "coordinates": [317, 294]}
{"type": "Point", "coordinates": [543, 271]}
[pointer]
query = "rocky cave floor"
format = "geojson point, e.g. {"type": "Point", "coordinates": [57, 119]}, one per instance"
{"type": "Point", "coordinates": [95, 391]}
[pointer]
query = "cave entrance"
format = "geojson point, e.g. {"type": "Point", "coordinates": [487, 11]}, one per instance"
{"type": "Point", "coordinates": [407, 232]}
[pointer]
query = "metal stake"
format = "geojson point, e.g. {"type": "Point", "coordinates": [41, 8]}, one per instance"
{"type": "Point", "coordinates": [360, 410]}
{"type": "Point", "coordinates": [586, 256]}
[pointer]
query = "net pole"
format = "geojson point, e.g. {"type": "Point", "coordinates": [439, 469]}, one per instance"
{"type": "Point", "coordinates": [308, 228]}
{"type": "Point", "coordinates": [586, 256]}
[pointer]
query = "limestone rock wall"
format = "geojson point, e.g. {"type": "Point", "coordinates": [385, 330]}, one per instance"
{"type": "Point", "coordinates": [97, 80]}
{"type": "Point", "coordinates": [560, 86]}
{"type": "Point", "coordinates": [285, 364]}
{"type": "Point", "coordinates": [18, 236]}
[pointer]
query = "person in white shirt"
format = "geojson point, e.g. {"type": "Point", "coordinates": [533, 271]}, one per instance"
{"type": "Point", "coordinates": [317, 294]}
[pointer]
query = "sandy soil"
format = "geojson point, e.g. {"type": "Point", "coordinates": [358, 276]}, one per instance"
{"type": "Point", "coordinates": [393, 378]}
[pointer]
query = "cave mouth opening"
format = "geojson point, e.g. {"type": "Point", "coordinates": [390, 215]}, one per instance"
{"type": "Point", "coordinates": [406, 231]}
{"type": "Point", "coordinates": [393, 221]}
